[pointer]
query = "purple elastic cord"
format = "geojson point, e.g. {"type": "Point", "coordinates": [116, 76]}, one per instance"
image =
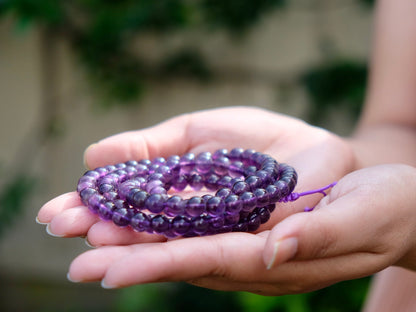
{"type": "Point", "coordinates": [242, 186]}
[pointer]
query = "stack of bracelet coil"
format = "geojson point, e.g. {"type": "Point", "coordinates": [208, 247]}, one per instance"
{"type": "Point", "coordinates": [244, 186]}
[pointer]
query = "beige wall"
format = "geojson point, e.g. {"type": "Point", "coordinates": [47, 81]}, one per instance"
{"type": "Point", "coordinates": [277, 49]}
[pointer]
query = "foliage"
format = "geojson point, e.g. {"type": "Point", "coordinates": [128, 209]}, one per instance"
{"type": "Point", "coordinates": [339, 84]}
{"type": "Point", "coordinates": [13, 198]}
{"type": "Point", "coordinates": [101, 33]}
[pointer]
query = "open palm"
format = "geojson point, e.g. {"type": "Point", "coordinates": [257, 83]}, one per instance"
{"type": "Point", "coordinates": [225, 261]}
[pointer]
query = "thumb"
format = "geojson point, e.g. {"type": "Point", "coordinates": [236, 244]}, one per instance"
{"type": "Point", "coordinates": [333, 229]}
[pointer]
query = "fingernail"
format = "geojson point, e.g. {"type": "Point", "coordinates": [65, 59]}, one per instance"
{"type": "Point", "coordinates": [283, 250]}
{"type": "Point", "coordinates": [68, 276]}
{"type": "Point", "coordinates": [107, 286]}
{"type": "Point", "coordinates": [85, 154]}
{"type": "Point", "coordinates": [87, 242]}
{"type": "Point", "coordinates": [39, 222]}
{"type": "Point", "coordinates": [48, 230]}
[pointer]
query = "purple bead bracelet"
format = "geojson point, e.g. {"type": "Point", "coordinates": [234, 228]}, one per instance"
{"type": "Point", "coordinates": [242, 187]}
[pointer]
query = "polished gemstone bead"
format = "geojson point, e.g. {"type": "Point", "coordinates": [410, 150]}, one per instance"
{"type": "Point", "coordinates": [94, 201]}
{"type": "Point", "coordinates": [105, 210]}
{"type": "Point", "coordinates": [211, 182]}
{"type": "Point", "coordinates": [155, 203]}
{"type": "Point", "coordinates": [254, 221]}
{"type": "Point", "coordinates": [142, 170]}
{"type": "Point", "coordinates": [110, 196]}
{"type": "Point", "coordinates": [264, 214]}
{"type": "Point", "coordinates": [232, 204]}
{"type": "Point", "coordinates": [160, 224]}
{"type": "Point", "coordinates": [137, 198]}
{"type": "Point", "coordinates": [215, 206]}
{"type": "Point", "coordinates": [283, 187]}
{"type": "Point", "coordinates": [261, 196]}
{"type": "Point", "coordinates": [203, 162]}
{"type": "Point", "coordinates": [131, 163]}
{"type": "Point", "coordinates": [220, 153]}
{"type": "Point", "coordinates": [225, 181]}
{"type": "Point", "coordinates": [180, 225]}
{"type": "Point", "coordinates": [195, 206]}
{"type": "Point", "coordinates": [236, 169]}
{"type": "Point", "coordinates": [159, 161]}
{"type": "Point", "coordinates": [273, 192]}
{"type": "Point", "coordinates": [200, 225]}
{"type": "Point", "coordinates": [187, 162]}
{"type": "Point", "coordinates": [240, 227]}
{"type": "Point", "coordinates": [221, 165]}
{"type": "Point", "coordinates": [196, 182]}
{"type": "Point", "coordinates": [235, 153]}
{"type": "Point", "coordinates": [103, 188]}
{"type": "Point", "coordinates": [179, 183]}
{"type": "Point", "coordinates": [174, 206]}
{"type": "Point", "coordinates": [253, 182]}
{"type": "Point", "coordinates": [140, 222]}
{"type": "Point", "coordinates": [240, 187]}
{"type": "Point", "coordinates": [249, 201]}
{"type": "Point", "coordinates": [122, 217]}
{"type": "Point", "coordinates": [223, 192]}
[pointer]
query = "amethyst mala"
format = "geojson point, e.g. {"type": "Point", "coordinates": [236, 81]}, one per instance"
{"type": "Point", "coordinates": [243, 187]}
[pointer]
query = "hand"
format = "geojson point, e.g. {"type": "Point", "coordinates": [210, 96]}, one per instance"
{"type": "Point", "coordinates": [366, 224]}
{"type": "Point", "coordinates": [318, 156]}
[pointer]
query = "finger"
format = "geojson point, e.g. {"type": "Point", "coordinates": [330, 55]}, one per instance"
{"type": "Point", "coordinates": [332, 230]}
{"type": "Point", "coordinates": [186, 259]}
{"type": "Point", "coordinates": [72, 222]}
{"type": "Point", "coordinates": [57, 205]}
{"type": "Point", "coordinates": [107, 233]}
{"type": "Point", "coordinates": [167, 138]}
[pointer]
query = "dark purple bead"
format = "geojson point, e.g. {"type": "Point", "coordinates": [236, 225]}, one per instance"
{"type": "Point", "coordinates": [140, 222]}
{"type": "Point", "coordinates": [253, 182]}
{"type": "Point", "coordinates": [247, 154]}
{"type": "Point", "coordinates": [159, 161]}
{"type": "Point", "coordinates": [236, 169]}
{"type": "Point", "coordinates": [174, 206]}
{"type": "Point", "coordinates": [283, 187]}
{"type": "Point", "coordinates": [196, 182]}
{"type": "Point", "coordinates": [104, 188]}
{"type": "Point", "coordinates": [215, 223]}
{"type": "Point", "coordinates": [122, 216]}
{"type": "Point", "coordinates": [187, 163]}
{"type": "Point", "coordinates": [160, 224]}
{"type": "Point", "coordinates": [232, 204]}
{"type": "Point", "coordinates": [142, 170]}
{"type": "Point", "coordinates": [94, 202]}
{"type": "Point", "coordinates": [155, 203]}
{"type": "Point", "coordinates": [274, 193]}
{"type": "Point", "coordinates": [200, 225]}
{"type": "Point", "coordinates": [221, 165]}
{"type": "Point", "coordinates": [240, 227]}
{"type": "Point", "coordinates": [220, 153]}
{"type": "Point", "coordinates": [215, 206]}
{"type": "Point", "coordinates": [105, 210]}
{"type": "Point", "coordinates": [264, 214]}
{"type": "Point", "coordinates": [231, 219]}
{"type": "Point", "coordinates": [195, 206]}
{"type": "Point", "coordinates": [249, 201]}
{"type": "Point", "coordinates": [240, 187]}
{"type": "Point", "coordinates": [223, 192]}
{"type": "Point", "coordinates": [165, 171]}
{"type": "Point", "coordinates": [264, 176]}
{"type": "Point", "coordinates": [203, 162]}
{"type": "Point", "coordinates": [145, 162]}
{"type": "Point", "coordinates": [225, 181]}
{"type": "Point", "coordinates": [253, 222]}
{"type": "Point", "coordinates": [181, 225]}
{"type": "Point", "coordinates": [110, 196]}
{"type": "Point", "coordinates": [262, 197]}
{"type": "Point", "coordinates": [158, 190]}
{"type": "Point", "coordinates": [131, 163]}
{"type": "Point", "coordinates": [235, 153]}
{"type": "Point", "coordinates": [211, 182]}
{"type": "Point", "coordinates": [153, 168]}
{"type": "Point", "coordinates": [119, 203]}
{"type": "Point", "coordinates": [250, 170]}
{"type": "Point", "coordinates": [92, 173]}
{"type": "Point", "coordinates": [153, 184]}
{"type": "Point", "coordinates": [86, 193]}
{"type": "Point", "coordinates": [137, 198]}
{"type": "Point", "coordinates": [180, 183]}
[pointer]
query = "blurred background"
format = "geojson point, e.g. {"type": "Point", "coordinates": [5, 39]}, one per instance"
{"type": "Point", "coordinates": [73, 72]}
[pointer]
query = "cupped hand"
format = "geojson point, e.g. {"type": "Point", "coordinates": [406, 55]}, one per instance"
{"type": "Point", "coordinates": [366, 224]}
{"type": "Point", "coordinates": [318, 156]}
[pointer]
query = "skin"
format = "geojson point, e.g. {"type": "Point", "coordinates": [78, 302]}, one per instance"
{"type": "Point", "coordinates": [366, 224]}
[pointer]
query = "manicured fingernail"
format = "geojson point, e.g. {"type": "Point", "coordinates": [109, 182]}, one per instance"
{"type": "Point", "coordinates": [107, 286]}
{"type": "Point", "coordinates": [87, 242]}
{"type": "Point", "coordinates": [48, 230]}
{"type": "Point", "coordinates": [283, 250]}
{"type": "Point", "coordinates": [68, 276]}
{"type": "Point", "coordinates": [39, 222]}
{"type": "Point", "coordinates": [85, 154]}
